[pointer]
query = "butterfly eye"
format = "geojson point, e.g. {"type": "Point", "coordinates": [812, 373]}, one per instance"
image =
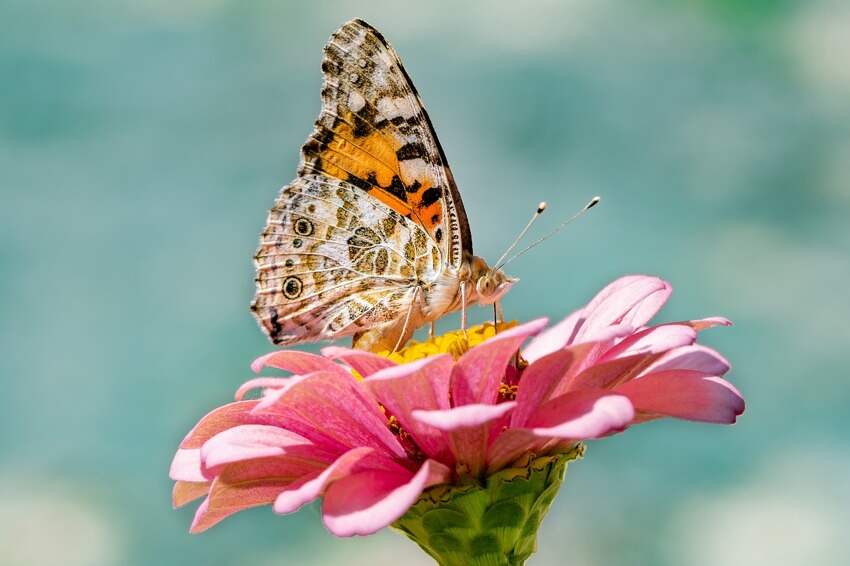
{"type": "Point", "coordinates": [485, 286]}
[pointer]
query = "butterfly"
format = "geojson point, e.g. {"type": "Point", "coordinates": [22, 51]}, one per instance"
{"type": "Point", "coordinates": [371, 239]}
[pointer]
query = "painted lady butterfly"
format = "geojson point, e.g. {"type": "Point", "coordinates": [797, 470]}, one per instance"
{"type": "Point", "coordinates": [371, 238]}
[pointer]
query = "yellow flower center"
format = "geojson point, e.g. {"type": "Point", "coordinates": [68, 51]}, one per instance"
{"type": "Point", "coordinates": [456, 343]}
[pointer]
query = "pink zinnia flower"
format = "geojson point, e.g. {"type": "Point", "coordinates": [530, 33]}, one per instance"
{"type": "Point", "coordinates": [369, 444]}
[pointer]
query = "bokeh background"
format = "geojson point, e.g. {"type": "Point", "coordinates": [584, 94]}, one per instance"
{"type": "Point", "coordinates": [142, 142]}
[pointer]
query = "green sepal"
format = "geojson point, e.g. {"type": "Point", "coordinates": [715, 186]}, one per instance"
{"type": "Point", "coordinates": [492, 522]}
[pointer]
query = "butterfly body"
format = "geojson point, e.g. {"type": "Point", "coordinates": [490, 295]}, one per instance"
{"type": "Point", "coordinates": [371, 238]}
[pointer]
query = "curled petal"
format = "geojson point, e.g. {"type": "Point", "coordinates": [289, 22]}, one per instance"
{"type": "Point", "coordinates": [694, 357]}
{"type": "Point", "coordinates": [295, 362]}
{"type": "Point", "coordinates": [186, 466]}
{"type": "Point", "coordinates": [364, 363]}
{"type": "Point", "coordinates": [631, 300]}
{"type": "Point", "coordinates": [685, 394]}
{"type": "Point", "coordinates": [581, 415]}
{"type": "Point", "coordinates": [261, 383]}
{"type": "Point", "coordinates": [612, 288]}
{"type": "Point", "coordinates": [368, 501]}
{"type": "Point", "coordinates": [704, 323]}
{"type": "Point", "coordinates": [654, 340]}
{"type": "Point", "coordinates": [250, 442]}
{"type": "Point", "coordinates": [465, 416]}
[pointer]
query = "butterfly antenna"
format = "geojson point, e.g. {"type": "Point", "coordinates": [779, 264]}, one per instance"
{"type": "Point", "coordinates": [593, 202]}
{"type": "Point", "coordinates": [540, 208]}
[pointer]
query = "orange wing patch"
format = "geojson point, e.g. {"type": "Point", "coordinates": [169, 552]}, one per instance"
{"type": "Point", "coordinates": [375, 162]}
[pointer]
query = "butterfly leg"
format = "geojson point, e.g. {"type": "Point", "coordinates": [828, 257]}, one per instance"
{"type": "Point", "coordinates": [498, 312]}
{"type": "Point", "coordinates": [432, 330]}
{"type": "Point", "coordinates": [402, 338]}
{"type": "Point", "coordinates": [463, 307]}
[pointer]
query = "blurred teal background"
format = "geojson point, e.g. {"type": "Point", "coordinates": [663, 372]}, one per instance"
{"type": "Point", "coordinates": [141, 144]}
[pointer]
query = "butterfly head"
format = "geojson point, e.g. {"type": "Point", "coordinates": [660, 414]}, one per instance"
{"type": "Point", "coordinates": [489, 284]}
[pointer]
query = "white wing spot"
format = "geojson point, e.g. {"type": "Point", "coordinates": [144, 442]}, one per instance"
{"type": "Point", "coordinates": [356, 101]}
{"type": "Point", "coordinates": [412, 169]}
{"type": "Point", "coordinates": [387, 108]}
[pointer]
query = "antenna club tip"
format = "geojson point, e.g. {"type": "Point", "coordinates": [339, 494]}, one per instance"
{"type": "Point", "coordinates": [541, 207]}
{"type": "Point", "coordinates": [593, 202]}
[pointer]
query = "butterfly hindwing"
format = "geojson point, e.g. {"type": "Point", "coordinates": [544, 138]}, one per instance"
{"type": "Point", "coordinates": [374, 133]}
{"type": "Point", "coordinates": [332, 262]}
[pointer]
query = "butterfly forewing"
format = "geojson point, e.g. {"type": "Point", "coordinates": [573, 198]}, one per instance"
{"type": "Point", "coordinates": [373, 132]}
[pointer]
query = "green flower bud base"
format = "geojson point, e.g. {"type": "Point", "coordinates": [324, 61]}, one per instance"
{"type": "Point", "coordinates": [488, 523]}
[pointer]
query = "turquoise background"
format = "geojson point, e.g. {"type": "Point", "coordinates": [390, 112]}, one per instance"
{"type": "Point", "coordinates": [141, 144]}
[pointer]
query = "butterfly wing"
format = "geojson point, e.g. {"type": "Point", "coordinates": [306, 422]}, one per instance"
{"type": "Point", "coordinates": [373, 214]}
{"type": "Point", "coordinates": [332, 262]}
{"type": "Point", "coordinates": [374, 133]}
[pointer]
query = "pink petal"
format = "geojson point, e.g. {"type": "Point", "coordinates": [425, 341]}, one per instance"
{"type": "Point", "coordinates": [694, 357]}
{"type": "Point", "coordinates": [580, 415]}
{"type": "Point", "coordinates": [186, 466]}
{"type": "Point", "coordinates": [466, 416]}
{"type": "Point", "coordinates": [419, 385]}
{"type": "Point", "coordinates": [366, 502]}
{"type": "Point", "coordinates": [542, 378]}
{"type": "Point", "coordinates": [298, 495]}
{"type": "Point", "coordinates": [332, 410]}
{"type": "Point", "coordinates": [553, 338]}
{"type": "Point", "coordinates": [610, 373]}
{"type": "Point", "coordinates": [217, 420]}
{"type": "Point", "coordinates": [636, 354]}
{"type": "Point", "coordinates": [250, 442]}
{"type": "Point", "coordinates": [261, 383]}
{"type": "Point", "coordinates": [704, 323]}
{"type": "Point", "coordinates": [364, 363]}
{"type": "Point", "coordinates": [653, 340]}
{"type": "Point", "coordinates": [630, 300]}
{"type": "Point", "coordinates": [613, 288]}
{"type": "Point", "coordinates": [604, 339]}
{"type": "Point", "coordinates": [649, 306]}
{"type": "Point", "coordinates": [243, 485]}
{"type": "Point", "coordinates": [294, 361]}
{"type": "Point", "coordinates": [469, 430]}
{"type": "Point", "coordinates": [478, 373]}
{"type": "Point", "coordinates": [685, 394]}
{"type": "Point", "coordinates": [186, 491]}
